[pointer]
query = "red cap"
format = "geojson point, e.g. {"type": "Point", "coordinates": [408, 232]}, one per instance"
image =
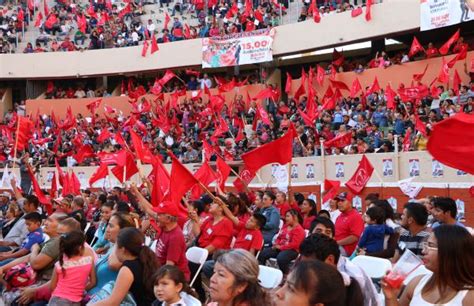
{"type": "Point", "coordinates": [168, 208]}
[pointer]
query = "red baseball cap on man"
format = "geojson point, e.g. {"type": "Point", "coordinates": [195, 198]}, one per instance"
{"type": "Point", "coordinates": [167, 208]}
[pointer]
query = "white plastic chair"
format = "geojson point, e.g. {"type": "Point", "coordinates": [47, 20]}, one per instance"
{"type": "Point", "coordinates": [280, 226]}
{"type": "Point", "coordinates": [153, 245]}
{"type": "Point", "coordinates": [190, 300]}
{"type": "Point", "coordinates": [269, 278]}
{"type": "Point", "coordinates": [147, 240]}
{"type": "Point", "coordinates": [374, 267]}
{"type": "Point", "coordinates": [421, 270]}
{"type": "Point", "coordinates": [198, 256]}
{"type": "Point", "coordinates": [88, 225]}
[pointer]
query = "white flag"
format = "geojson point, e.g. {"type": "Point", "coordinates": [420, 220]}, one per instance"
{"type": "Point", "coordinates": [409, 188]}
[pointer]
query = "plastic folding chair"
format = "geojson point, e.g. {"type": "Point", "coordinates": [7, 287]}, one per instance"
{"type": "Point", "coordinates": [374, 267]}
{"type": "Point", "coordinates": [269, 277]}
{"type": "Point", "coordinates": [198, 256]}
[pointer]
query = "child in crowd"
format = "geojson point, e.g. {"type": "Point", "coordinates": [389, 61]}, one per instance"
{"type": "Point", "coordinates": [74, 273]}
{"type": "Point", "coordinates": [35, 235]}
{"type": "Point", "coordinates": [373, 237]}
{"type": "Point", "coordinates": [171, 288]}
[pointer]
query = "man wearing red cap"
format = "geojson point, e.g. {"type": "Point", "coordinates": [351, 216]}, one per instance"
{"type": "Point", "coordinates": [349, 225]}
{"type": "Point", "coordinates": [170, 244]}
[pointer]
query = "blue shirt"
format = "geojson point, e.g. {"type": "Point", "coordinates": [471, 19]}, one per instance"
{"type": "Point", "coordinates": [437, 223]}
{"type": "Point", "coordinates": [373, 237]}
{"type": "Point", "coordinates": [104, 273]}
{"type": "Point", "coordinates": [272, 225]}
{"type": "Point", "coordinates": [32, 238]}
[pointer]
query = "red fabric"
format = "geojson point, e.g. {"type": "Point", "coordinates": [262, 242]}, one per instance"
{"type": "Point", "coordinates": [361, 176]}
{"type": "Point", "coordinates": [431, 52]}
{"type": "Point", "coordinates": [167, 77]}
{"type": "Point", "coordinates": [420, 126]}
{"type": "Point", "coordinates": [75, 184]}
{"type": "Point", "coordinates": [39, 19]}
{"type": "Point", "coordinates": [46, 8]}
{"type": "Point", "coordinates": [307, 222]}
{"type": "Point", "coordinates": [25, 130]}
{"type": "Point", "coordinates": [118, 158]}
{"type": "Point", "coordinates": [84, 151]}
{"type": "Point", "coordinates": [443, 76]}
{"type": "Point", "coordinates": [368, 10]}
{"type": "Point", "coordinates": [170, 246]}
{"type": "Point", "coordinates": [154, 44]}
{"type": "Point", "coordinates": [245, 178]}
{"type": "Point", "coordinates": [406, 141]}
{"type": "Point", "coordinates": [104, 135]}
{"type": "Point", "coordinates": [222, 172]}
{"type": "Point", "coordinates": [347, 224]}
{"type": "Point", "coordinates": [167, 21]}
{"type": "Point", "coordinates": [54, 186]}
{"type": "Point", "coordinates": [451, 142]}
{"type": "Point", "coordinates": [50, 21]}
{"type": "Point", "coordinates": [129, 169]}
{"type": "Point", "coordinates": [339, 85]}
{"type": "Point", "coordinates": [181, 180]}
{"type": "Point", "coordinates": [419, 76]}
{"type": "Point", "coordinates": [193, 72]}
{"type": "Point", "coordinates": [248, 239]}
{"type": "Point", "coordinates": [460, 56]}
{"type": "Point", "coordinates": [290, 239]}
{"type": "Point", "coordinates": [355, 88]}
{"type": "Point", "coordinates": [444, 49]}
{"type": "Point", "coordinates": [277, 151]}
{"type": "Point", "coordinates": [160, 179]}
{"type": "Point", "coordinates": [101, 172]}
{"type": "Point", "coordinates": [283, 209]}
{"type": "Point", "coordinates": [94, 105]}
{"type": "Point", "coordinates": [145, 48]}
{"type": "Point", "coordinates": [39, 193]}
{"type": "Point", "coordinates": [337, 58]}
{"type": "Point", "coordinates": [456, 81]}
{"type": "Point", "coordinates": [206, 176]}
{"type": "Point", "coordinates": [314, 11]}
{"type": "Point", "coordinates": [331, 189]}
{"type": "Point", "coordinates": [415, 48]}
{"type": "Point", "coordinates": [218, 235]}
{"type": "Point", "coordinates": [375, 87]}
{"type": "Point", "coordinates": [320, 75]}
{"type": "Point", "coordinates": [340, 141]}
{"type": "Point", "coordinates": [142, 152]}
{"type": "Point", "coordinates": [356, 12]}
{"type": "Point", "coordinates": [288, 83]}
{"type": "Point", "coordinates": [390, 94]}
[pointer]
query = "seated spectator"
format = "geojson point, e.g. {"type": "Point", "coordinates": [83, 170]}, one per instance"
{"type": "Point", "coordinates": [67, 45]}
{"type": "Point", "coordinates": [171, 287]}
{"type": "Point", "coordinates": [272, 216]}
{"type": "Point", "coordinates": [285, 248]}
{"type": "Point", "coordinates": [12, 215]}
{"type": "Point", "coordinates": [445, 211]}
{"type": "Point", "coordinates": [101, 245]}
{"type": "Point", "coordinates": [38, 48]}
{"type": "Point", "coordinates": [323, 226]}
{"type": "Point", "coordinates": [281, 204]}
{"type": "Point", "coordinates": [349, 225]}
{"type": "Point", "coordinates": [28, 48]}
{"type": "Point", "coordinates": [414, 231]}
{"type": "Point", "coordinates": [42, 37]}
{"type": "Point", "coordinates": [372, 239]}
{"type": "Point", "coordinates": [309, 213]}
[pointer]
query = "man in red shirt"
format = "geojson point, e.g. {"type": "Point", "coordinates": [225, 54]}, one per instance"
{"type": "Point", "coordinates": [349, 225]}
{"type": "Point", "coordinates": [431, 51]}
{"type": "Point", "coordinates": [170, 245]}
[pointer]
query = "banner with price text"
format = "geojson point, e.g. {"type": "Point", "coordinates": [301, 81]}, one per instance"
{"type": "Point", "coordinates": [238, 49]}
{"type": "Point", "coordinates": [442, 13]}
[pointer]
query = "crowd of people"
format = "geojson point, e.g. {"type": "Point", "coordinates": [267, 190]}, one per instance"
{"type": "Point", "coordinates": [116, 248]}
{"type": "Point", "coordinates": [75, 25]}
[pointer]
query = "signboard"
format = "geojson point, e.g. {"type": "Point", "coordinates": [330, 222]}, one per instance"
{"type": "Point", "coordinates": [442, 13]}
{"type": "Point", "coordinates": [238, 49]}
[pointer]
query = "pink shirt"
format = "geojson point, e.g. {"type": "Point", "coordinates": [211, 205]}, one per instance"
{"type": "Point", "coordinates": [72, 283]}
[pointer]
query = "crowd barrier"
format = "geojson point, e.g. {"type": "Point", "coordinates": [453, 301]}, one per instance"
{"type": "Point", "coordinates": [308, 173]}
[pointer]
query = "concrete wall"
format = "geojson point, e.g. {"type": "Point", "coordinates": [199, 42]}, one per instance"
{"type": "Point", "coordinates": [389, 17]}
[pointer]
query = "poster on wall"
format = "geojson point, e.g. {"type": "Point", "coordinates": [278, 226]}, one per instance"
{"type": "Point", "coordinates": [442, 13]}
{"type": "Point", "coordinates": [339, 169]}
{"type": "Point", "coordinates": [387, 169]}
{"type": "Point", "coordinates": [310, 171]}
{"type": "Point", "coordinates": [294, 171]}
{"type": "Point", "coordinates": [357, 203]}
{"type": "Point", "coordinates": [460, 208]}
{"type": "Point", "coordinates": [49, 177]}
{"type": "Point", "coordinates": [460, 173]}
{"type": "Point", "coordinates": [393, 202]}
{"type": "Point", "coordinates": [414, 167]}
{"type": "Point", "coordinates": [437, 169]}
{"type": "Point", "coordinates": [238, 49]}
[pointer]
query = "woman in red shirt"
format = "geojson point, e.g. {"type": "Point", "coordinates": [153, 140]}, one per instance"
{"type": "Point", "coordinates": [309, 212]}
{"type": "Point", "coordinates": [287, 243]}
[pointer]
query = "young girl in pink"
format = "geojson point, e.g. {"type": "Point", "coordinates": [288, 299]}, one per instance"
{"type": "Point", "coordinates": [74, 273]}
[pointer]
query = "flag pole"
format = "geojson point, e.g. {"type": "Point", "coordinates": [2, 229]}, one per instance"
{"type": "Point", "coordinates": [124, 173]}
{"type": "Point", "coordinates": [15, 149]}
{"type": "Point", "coordinates": [323, 168]}
{"type": "Point", "coordinates": [289, 181]}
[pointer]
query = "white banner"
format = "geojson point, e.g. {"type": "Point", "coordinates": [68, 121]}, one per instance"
{"type": "Point", "coordinates": [237, 49]}
{"type": "Point", "coordinates": [442, 13]}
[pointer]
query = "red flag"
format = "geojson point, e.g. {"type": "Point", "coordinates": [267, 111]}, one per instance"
{"type": "Point", "coordinates": [443, 76]}
{"type": "Point", "coordinates": [420, 126]}
{"type": "Point", "coordinates": [167, 77]}
{"type": "Point", "coordinates": [246, 176]}
{"type": "Point", "coordinates": [339, 85]}
{"type": "Point", "coordinates": [227, 86]}
{"type": "Point", "coordinates": [407, 141]}
{"type": "Point", "coordinates": [161, 183]}
{"type": "Point", "coordinates": [74, 183]}
{"type": "Point", "coordinates": [340, 141]}
{"type": "Point", "coordinates": [368, 10]}
{"type": "Point", "coordinates": [450, 142]}
{"type": "Point", "coordinates": [119, 139]}
{"type": "Point", "coordinates": [39, 193]}
{"type": "Point", "coordinates": [154, 44]}
{"type": "Point", "coordinates": [46, 8]}
{"type": "Point", "coordinates": [331, 189]}
{"type": "Point", "coordinates": [84, 151]}
{"type": "Point", "coordinates": [419, 76]}
{"type": "Point", "coordinates": [31, 5]}
{"type": "Point", "coordinates": [361, 176]}
{"type": "Point", "coordinates": [355, 88]}
{"type": "Point", "coordinates": [459, 56]}
{"type": "Point", "coordinates": [337, 58]}
{"type": "Point", "coordinates": [39, 19]}
{"type": "Point", "coordinates": [101, 172]}
{"type": "Point", "coordinates": [104, 135]}
{"type": "Point", "coordinates": [118, 158]}
{"type": "Point", "coordinates": [142, 152]}
{"type": "Point", "coordinates": [181, 180]}
{"type": "Point", "coordinates": [390, 94]}
{"type": "Point", "coordinates": [50, 21]}
{"type": "Point", "coordinates": [314, 11]}
{"type": "Point", "coordinates": [222, 172]}
{"type": "Point", "coordinates": [54, 186]}
{"type": "Point", "coordinates": [25, 132]}
{"type": "Point", "coordinates": [206, 176]}
{"type": "Point", "coordinates": [60, 172]}
{"type": "Point", "coordinates": [128, 170]}
{"type": "Point", "coordinates": [278, 151]}
{"type": "Point", "coordinates": [456, 81]}
{"type": "Point", "coordinates": [356, 12]}
{"type": "Point", "coordinates": [167, 21]}
{"type": "Point", "coordinates": [193, 72]}
{"type": "Point", "coordinates": [240, 135]}
{"type": "Point", "coordinates": [375, 87]}
{"type": "Point", "coordinates": [447, 45]}
{"type": "Point", "coordinates": [94, 105]}
{"type": "Point", "coordinates": [415, 48]}
{"type": "Point", "coordinates": [145, 48]}
{"type": "Point", "coordinates": [288, 83]}
{"type": "Point", "coordinates": [320, 75]}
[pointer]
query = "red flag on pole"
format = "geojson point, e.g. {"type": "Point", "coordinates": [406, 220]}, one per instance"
{"type": "Point", "coordinates": [94, 105]}
{"type": "Point", "coordinates": [361, 176]}
{"type": "Point", "coordinates": [154, 44]}
{"type": "Point", "coordinates": [278, 151]}
{"type": "Point", "coordinates": [460, 56]}
{"type": "Point", "coordinates": [54, 186]}
{"type": "Point", "coordinates": [39, 19]}
{"type": "Point", "coordinates": [167, 77]}
{"type": "Point", "coordinates": [74, 183]}
{"type": "Point", "coordinates": [339, 85]}
{"type": "Point", "coordinates": [375, 87]}
{"type": "Point", "coordinates": [331, 189]}
{"type": "Point", "coordinates": [145, 48]}
{"type": "Point", "coordinates": [181, 180]}
{"type": "Point", "coordinates": [450, 142]}
{"type": "Point", "coordinates": [84, 152]}
{"type": "Point", "coordinates": [101, 172]}
{"type": "Point", "coordinates": [117, 158]}
{"type": "Point", "coordinates": [142, 152]}
{"type": "Point", "coordinates": [337, 58]}
{"type": "Point", "coordinates": [355, 88]}
{"type": "Point", "coordinates": [104, 135]}
{"type": "Point", "coordinates": [420, 126]}
{"type": "Point", "coordinates": [39, 193]}
{"type": "Point", "coordinates": [206, 176]}
{"type": "Point", "coordinates": [443, 76]}
{"type": "Point", "coordinates": [407, 141]}
{"type": "Point", "coordinates": [419, 76]}
{"type": "Point", "coordinates": [46, 8]}
{"type": "Point", "coordinates": [456, 81]}
{"type": "Point", "coordinates": [161, 183]}
{"type": "Point", "coordinates": [390, 94]}
{"type": "Point", "coordinates": [288, 83]}
{"type": "Point", "coordinates": [356, 12]}
{"type": "Point", "coordinates": [167, 21]}
{"type": "Point", "coordinates": [244, 180]}
{"type": "Point", "coordinates": [340, 141]}
{"type": "Point", "coordinates": [447, 45]}
{"type": "Point", "coordinates": [320, 75]}
{"type": "Point", "coordinates": [25, 132]}
{"type": "Point", "coordinates": [129, 169]}
{"type": "Point", "coordinates": [222, 172]}
{"type": "Point", "coordinates": [368, 10]}
{"type": "Point", "coordinates": [415, 48]}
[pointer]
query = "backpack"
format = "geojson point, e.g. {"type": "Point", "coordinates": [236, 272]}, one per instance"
{"type": "Point", "coordinates": [21, 275]}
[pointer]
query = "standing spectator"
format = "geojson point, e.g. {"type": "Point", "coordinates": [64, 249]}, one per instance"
{"type": "Point", "coordinates": [349, 225]}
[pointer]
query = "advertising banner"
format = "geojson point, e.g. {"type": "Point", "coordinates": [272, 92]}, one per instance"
{"type": "Point", "coordinates": [237, 49]}
{"type": "Point", "coordinates": [442, 13]}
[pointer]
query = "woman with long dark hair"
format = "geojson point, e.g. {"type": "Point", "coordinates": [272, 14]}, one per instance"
{"type": "Point", "coordinates": [139, 263]}
{"type": "Point", "coordinates": [449, 255]}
